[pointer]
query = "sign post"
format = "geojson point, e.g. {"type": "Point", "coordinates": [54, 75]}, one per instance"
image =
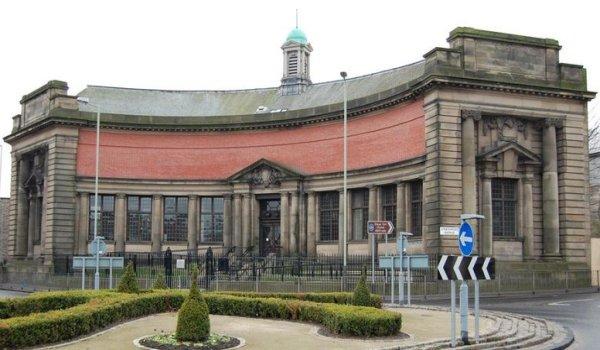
{"type": "Point", "coordinates": [105, 262]}
{"type": "Point", "coordinates": [465, 244]}
{"type": "Point", "coordinates": [377, 228]}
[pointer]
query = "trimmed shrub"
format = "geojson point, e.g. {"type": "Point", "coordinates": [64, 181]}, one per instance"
{"type": "Point", "coordinates": [193, 323]}
{"type": "Point", "coordinates": [105, 308]}
{"type": "Point", "coordinates": [128, 283]}
{"type": "Point", "coordinates": [362, 295]}
{"type": "Point", "coordinates": [159, 283]}
{"type": "Point", "coordinates": [330, 297]}
{"type": "Point", "coordinates": [38, 303]}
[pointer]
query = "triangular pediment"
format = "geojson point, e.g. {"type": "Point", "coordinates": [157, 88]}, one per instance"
{"type": "Point", "coordinates": [264, 173]}
{"type": "Point", "coordinates": [495, 152]}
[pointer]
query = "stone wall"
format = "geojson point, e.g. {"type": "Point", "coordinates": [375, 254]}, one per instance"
{"type": "Point", "coordinates": [4, 228]}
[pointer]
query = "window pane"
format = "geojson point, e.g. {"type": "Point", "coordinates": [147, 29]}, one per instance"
{"type": "Point", "coordinates": [146, 205]}
{"type": "Point", "coordinates": [133, 203]}
{"type": "Point", "coordinates": [170, 205]}
{"type": "Point", "coordinates": [504, 202]}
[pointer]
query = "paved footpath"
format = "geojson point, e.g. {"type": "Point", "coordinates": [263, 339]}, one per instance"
{"type": "Point", "coordinates": [269, 334]}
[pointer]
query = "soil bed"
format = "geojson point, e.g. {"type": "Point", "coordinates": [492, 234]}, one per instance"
{"type": "Point", "coordinates": [168, 342]}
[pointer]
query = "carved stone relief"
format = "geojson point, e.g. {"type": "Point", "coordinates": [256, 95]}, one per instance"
{"type": "Point", "coordinates": [504, 126]}
{"type": "Point", "coordinates": [265, 176]}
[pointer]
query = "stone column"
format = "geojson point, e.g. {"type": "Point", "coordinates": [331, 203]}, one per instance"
{"type": "Point", "coordinates": [246, 221]}
{"type": "Point", "coordinates": [528, 250]}
{"type": "Point", "coordinates": [486, 239]}
{"type": "Point", "coordinates": [22, 232]}
{"type": "Point", "coordinates": [284, 229]}
{"type": "Point", "coordinates": [400, 208]}
{"type": "Point", "coordinates": [551, 238]}
{"type": "Point", "coordinates": [31, 224]}
{"type": "Point", "coordinates": [193, 225]}
{"type": "Point", "coordinates": [120, 222]}
{"type": "Point", "coordinates": [469, 176]}
{"type": "Point", "coordinates": [372, 217]}
{"type": "Point", "coordinates": [294, 224]}
{"type": "Point", "coordinates": [157, 223]}
{"type": "Point", "coordinates": [342, 201]}
{"type": "Point", "coordinates": [311, 225]}
{"type": "Point", "coordinates": [227, 239]}
{"type": "Point", "coordinates": [302, 235]}
{"type": "Point", "coordinates": [84, 222]}
{"type": "Point", "coordinates": [237, 223]}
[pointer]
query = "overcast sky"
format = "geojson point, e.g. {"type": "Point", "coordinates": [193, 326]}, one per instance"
{"type": "Point", "coordinates": [236, 44]}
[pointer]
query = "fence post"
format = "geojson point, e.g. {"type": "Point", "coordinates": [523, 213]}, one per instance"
{"type": "Point", "coordinates": [533, 282]}
{"type": "Point", "coordinates": [425, 287]}
{"type": "Point", "coordinates": [498, 281]}
{"type": "Point", "coordinates": [298, 284]}
{"type": "Point", "coordinates": [598, 279]}
{"type": "Point", "coordinates": [256, 282]}
{"type": "Point", "coordinates": [567, 281]}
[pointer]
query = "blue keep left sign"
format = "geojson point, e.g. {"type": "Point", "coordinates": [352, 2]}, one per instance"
{"type": "Point", "coordinates": [465, 239]}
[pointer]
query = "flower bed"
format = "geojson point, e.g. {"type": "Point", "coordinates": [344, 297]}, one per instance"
{"type": "Point", "coordinates": [79, 313]}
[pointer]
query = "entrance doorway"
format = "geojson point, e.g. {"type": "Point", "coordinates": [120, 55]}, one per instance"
{"type": "Point", "coordinates": [269, 227]}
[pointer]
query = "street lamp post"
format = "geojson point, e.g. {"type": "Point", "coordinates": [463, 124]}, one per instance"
{"type": "Point", "coordinates": [344, 203]}
{"type": "Point", "coordinates": [86, 100]}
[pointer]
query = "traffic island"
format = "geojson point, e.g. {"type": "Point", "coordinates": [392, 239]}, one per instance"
{"type": "Point", "coordinates": [170, 342]}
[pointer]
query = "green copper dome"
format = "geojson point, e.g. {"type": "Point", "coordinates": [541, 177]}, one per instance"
{"type": "Point", "coordinates": [298, 36]}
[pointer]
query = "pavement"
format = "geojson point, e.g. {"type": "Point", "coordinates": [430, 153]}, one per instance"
{"type": "Point", "coordinates": [579, 312]}
{"type": "Point", "coordinates": [11, 294]}
{"type": "Point", "coordinates": [270, 334]}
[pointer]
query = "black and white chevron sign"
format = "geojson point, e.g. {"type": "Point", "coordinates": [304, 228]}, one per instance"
{"type": "Point", "coordinates": [461, 268]}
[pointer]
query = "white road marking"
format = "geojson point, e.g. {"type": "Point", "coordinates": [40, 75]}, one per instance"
{"type": "Point", "coordinates": [566, 302]}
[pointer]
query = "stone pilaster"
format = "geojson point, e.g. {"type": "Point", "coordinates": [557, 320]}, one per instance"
{"type": "Point", "coordinates": [22, 232]}
{"type": "Point", "coordinates": [31, 225]}
{"type": "Point", "coordinates": [551, 237]}
{"type": "Point", "coordinates": [302, 235]}
{"type": "Point", "coordinates": [157, 223]}
{"type": "Point", "coordinates": [486, 237]}
{"type": "Point", "coordinates": [469, 173]}
{"type": "Point", "coordinates": [311, 224]}
{"type": "Point", "coordinates": [246, 221]}
{"type": "Point", "coordinates": [120, 222]}
{"type": "Point", "coordinates": [372, 217]}
{"type": "Point", "coordinates": [193, 225]}
{"type": "Point", "coordinates": [294, 226]}
{"type": "Point", "coordinates": [227, 220]}
{"type": "Point", "coordinates": [84, 223]}
{"type": "Point", "coordinates": [237, 223]}
{"type": "Point", "coordinates": [528, 243]}
{"type": "Point", "coordinates": [284, 224]}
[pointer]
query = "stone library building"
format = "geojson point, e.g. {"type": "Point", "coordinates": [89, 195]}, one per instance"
{"type": "Point", "coordinates": [493, 124]}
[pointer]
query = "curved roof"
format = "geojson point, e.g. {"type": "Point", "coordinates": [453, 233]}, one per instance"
{"type": "Point", "coordinates": [298, 36]}
{"type": "Point", "coordinates": [207, 103]}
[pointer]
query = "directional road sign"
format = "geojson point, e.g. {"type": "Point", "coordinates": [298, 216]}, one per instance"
{"type": "Point", "coordinates": [105, 262]}
{"type": "Point", "coordinates": [420, 261]}
{"type": "Point", "coordinates": [465, 239]}
{"type": "Point", "coordinates": [380, 227]}
{"type": "Point", "coordinates": [461, 268]}
{"type": "Point", "coordinates": [93, 245]}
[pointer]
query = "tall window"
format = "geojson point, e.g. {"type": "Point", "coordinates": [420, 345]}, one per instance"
{"type": "Point", "coordinates": [328, 215]}
{"type": "Point", "coordinates": [504, 203]}
{"type": "Point", "coordinates": [139, 218]}
{"type": "Point", "coordinates": [360, 213]}
{"type": "Point", "coordinates": [388, 205]}
{"type": "Point", "coordinates": [175, 219]}
{"type": "Point", "coordinates": [416, 207]}
{"type": "Point", "coordinates": [211, 219]}
{"type": "Point", "coordinates": [106, 216]}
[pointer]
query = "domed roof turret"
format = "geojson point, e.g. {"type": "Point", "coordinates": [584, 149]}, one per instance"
{"type": "Point", "coordinates": [298, 36]}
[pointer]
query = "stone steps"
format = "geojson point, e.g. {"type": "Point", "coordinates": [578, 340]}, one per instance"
{"type": "Point", "coordinates": [509, 331]}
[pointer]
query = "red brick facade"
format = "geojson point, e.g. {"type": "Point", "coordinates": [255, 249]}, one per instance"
{"type": "Point", "coordinates": [374, 140]}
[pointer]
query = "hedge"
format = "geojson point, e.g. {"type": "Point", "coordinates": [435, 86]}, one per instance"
{"type": "Point", "coordinates": [333, 298]}
{"type": "Point", "coordinates": [102, 309]}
